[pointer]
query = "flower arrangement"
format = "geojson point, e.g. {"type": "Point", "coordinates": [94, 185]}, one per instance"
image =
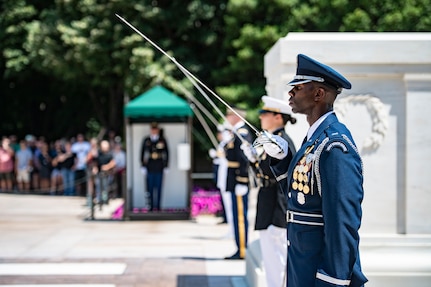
{"type": "Point", "coordinates": [205, 202]}
{"type": "Point", "coordinates": [201, 202]}
{"type": "Point", "coordinates": [118, 213]}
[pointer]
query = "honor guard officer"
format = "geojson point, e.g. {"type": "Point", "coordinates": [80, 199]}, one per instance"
{"type": "Point", "coordinates": [224, 136]}
{"type": "Point", "coordinates": [271, 199]}
{"type": "Point", "coordinates": [155, 159]}
{"type": "Point", "coordinates": [324, 185]}
{"type": "Point", "coordinates": [237, 182]}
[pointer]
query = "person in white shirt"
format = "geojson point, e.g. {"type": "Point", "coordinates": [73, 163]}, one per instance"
{"type": "Point", "coordinates": [23, 162]}
{"type": "Point", "coordinates": [81, 148]}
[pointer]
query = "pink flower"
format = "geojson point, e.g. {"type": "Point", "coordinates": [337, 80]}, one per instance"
{"type": "Point", "coordinates": [205, 202]}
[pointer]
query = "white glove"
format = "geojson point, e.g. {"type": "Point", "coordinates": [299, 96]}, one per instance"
{"type": "Point", "coordinates": [274, 145]}
{"type": "Point", "coordinates": [241, 189]}
{"type": "Point", "coordinates": [226, 136]}
{"type": "Point", "coordinates": [143, 170]}
{"type": "Point", "coordinates": [249, 152]}
{"type": "Point", "coordinates": [220, 152]}
{"type": "Point", "coordinates": [212, 153]}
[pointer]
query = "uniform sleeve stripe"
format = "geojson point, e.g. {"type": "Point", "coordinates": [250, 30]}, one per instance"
{"type": "Point", "coordinates": [332, 280]}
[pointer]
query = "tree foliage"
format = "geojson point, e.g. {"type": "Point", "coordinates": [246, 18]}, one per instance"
{"type": "Point", "coordinates": [66, 64]}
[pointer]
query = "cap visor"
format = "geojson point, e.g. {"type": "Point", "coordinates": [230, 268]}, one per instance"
{"type": "Point", "coordinates": [265, 111]}
{"type": "Point", "coordinates": [297, 82]}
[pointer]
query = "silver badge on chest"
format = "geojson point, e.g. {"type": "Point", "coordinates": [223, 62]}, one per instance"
{"type": "Point", "coordinates": [301, 198]}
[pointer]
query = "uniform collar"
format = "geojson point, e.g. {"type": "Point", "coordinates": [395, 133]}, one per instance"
{"type": "Point", "coordinates": [278, 131]}
{"type": "Point", "coordinates": [316, 124]}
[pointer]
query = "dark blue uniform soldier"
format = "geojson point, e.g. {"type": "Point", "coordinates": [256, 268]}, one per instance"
{"type": "Point", "coordinates": [324, 184]}
{"type": "Point", "coordinates": [155, 159]}
{"type": "Point", "coordinates": [237, 182]}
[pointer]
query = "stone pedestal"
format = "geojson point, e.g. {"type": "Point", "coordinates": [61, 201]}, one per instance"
{"type": "Point", "coordinates": [386, 111]}
{"type": "Point", "coordinates": [255, 274]}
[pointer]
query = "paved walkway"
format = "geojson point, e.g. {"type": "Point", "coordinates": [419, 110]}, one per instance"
{"type": "Point", "coordinates": [46, 240]}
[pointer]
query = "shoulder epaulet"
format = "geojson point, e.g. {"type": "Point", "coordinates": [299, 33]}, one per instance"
{"type": "Point", "coordinates": [243, 131]}
{"type": "Point", "coordinates": [336, 140]}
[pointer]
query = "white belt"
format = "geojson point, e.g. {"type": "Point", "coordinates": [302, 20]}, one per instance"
{"type": "Point", "coordinates": [304, 218]}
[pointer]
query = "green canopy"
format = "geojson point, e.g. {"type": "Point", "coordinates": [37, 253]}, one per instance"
{"type": "Point", "coordinates": [157, 102]}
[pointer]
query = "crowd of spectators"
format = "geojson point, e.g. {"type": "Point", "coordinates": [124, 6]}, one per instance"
{"type": "Point", "coordinates": [69, 167]}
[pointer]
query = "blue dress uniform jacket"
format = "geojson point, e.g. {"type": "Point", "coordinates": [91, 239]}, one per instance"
{"type": "Point", "coordinates": [324, 184]}
{"type": "Point", "coordinates": [237, 162]}
{"type": "Point", "coordinates": [154, 154]}
{"type": "Point", "coordinates": [271, 199]}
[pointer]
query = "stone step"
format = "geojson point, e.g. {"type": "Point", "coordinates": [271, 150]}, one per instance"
{"type": "Point", "coordinates": [387, 260]}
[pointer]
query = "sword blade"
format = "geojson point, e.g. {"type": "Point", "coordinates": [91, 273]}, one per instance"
{"type": "Point", "coordinates": [187, 72]}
